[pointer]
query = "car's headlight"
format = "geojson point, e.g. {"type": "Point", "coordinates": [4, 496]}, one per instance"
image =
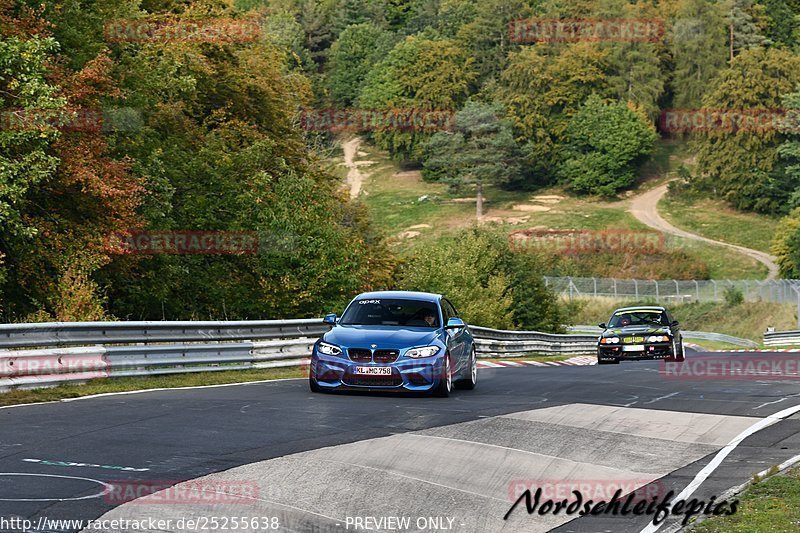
{"type": "Point", "coordinates": [657, 338]}
{"type": "Point", "coordinates": [426, 351]}
{"type": "Point", "coordinates": [609, 340]}
{"type": "Point", "coordinates": [328, 349]}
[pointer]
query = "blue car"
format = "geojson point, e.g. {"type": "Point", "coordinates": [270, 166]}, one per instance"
{"type": "Point", "coordinates": [395, 341]}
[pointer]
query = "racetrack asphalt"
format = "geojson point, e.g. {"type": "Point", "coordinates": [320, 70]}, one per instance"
{"type": "Point", "coordinates": [319, 461]}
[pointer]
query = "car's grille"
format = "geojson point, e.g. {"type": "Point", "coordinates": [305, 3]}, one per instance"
{"type": "Point", "coordinates": [386, 356]}
{"type": "Point", "coordinates": [374, 381]}
{"type": "Point", "coordinates": [360, 355]}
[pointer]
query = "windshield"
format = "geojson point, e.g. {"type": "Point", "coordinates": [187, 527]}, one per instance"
{"type": "Point", "coordinates": [391, 312]}
{"type": "Point", "coordinates": [640, 317]}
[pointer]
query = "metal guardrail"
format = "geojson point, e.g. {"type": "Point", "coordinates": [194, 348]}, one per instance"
{"type": "Point", "coordinates": [691, 335]}
{"type": "Point", "coordinates": [44, 354]}
{"type": "Point", "coordinates": [492, 342]}
{"type": "Point", "coordinates": [782, 338]}
{"type": "Point", "coordinates": [82, 333]}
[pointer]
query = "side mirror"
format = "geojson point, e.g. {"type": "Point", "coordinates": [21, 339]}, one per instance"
{"type": "Point", "coordinates": [675, 324]}
{"type": "Point", "coordinates": [602, 325]}
{"type": "Point", "coordinates": [455, 323]}
{"type": "Point", "coordinates": [329, 319]}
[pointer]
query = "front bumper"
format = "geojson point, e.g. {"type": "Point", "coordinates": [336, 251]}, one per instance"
{"type": "Point", "coordinates": [339, 373]}
{"type": "Point", "coordinates": [655, 350]}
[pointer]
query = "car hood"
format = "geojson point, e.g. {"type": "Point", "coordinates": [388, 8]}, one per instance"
{"type": "Point", "coordinates": [636, 330]}
{"type": "Point", "coordinates": [382, 336]}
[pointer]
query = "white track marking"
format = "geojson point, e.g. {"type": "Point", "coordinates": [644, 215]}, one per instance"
{"type": "Point", "coordinates": [670, 395]}
{"type": "Point", "coordinates": [722, 454]}
{"type": "Point", "coordinates": [106, 488]}
{"type": "Point", "coordinates": [141, 391]}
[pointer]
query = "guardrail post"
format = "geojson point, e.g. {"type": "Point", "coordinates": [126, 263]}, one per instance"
{"type": "Point", "coordinates": [636, 288]}
{"type": "Point", "coordinates": [594, 280]}
{"type": "Point", "coordinates": [615, 287]}
{"type": "Point", "coordinates": [715, 289]}
{"type": "Point", "coordinates": [697, 290]}
{"type": "Point", "coordinates": [657, 299]}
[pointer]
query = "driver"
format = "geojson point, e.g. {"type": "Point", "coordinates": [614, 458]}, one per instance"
{"type": "Point", "coordinates": [625, 321]}
{"type": "Point", "coordinates": [429, 317]}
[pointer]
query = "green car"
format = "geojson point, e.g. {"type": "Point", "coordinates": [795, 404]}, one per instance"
{"type": "Point", "coordinates": [637, 333]}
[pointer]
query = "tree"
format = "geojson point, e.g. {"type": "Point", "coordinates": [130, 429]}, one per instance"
{"type": "Point", "coordinates": [489, 285]}
{"type": "Point", "coordinates": [468, 268]}
{"type": "Point", "coordinates": [781, 21]}
{"type": "Point", "coordinates": [482, 150]}
{"type": "Point", "coordinates": [62, 189]}
{"type": "Point", "coordinates": [634, 70]}
{"type": "Point", "coordinates": [541, 91]}
{"type": "Point", "coordinates": [696, 42]}
{"type": "Point", "coordinates": [737, 163]}
{"type": "Point", "coordinates": [786, 245]}
{"type": "Point", "coordinates": [215, 149]}
{"type": "Point", "coordinates": [744, 26]}
{"type": "Point", "coordinates": [486, 34]}
{"type": "Point", "coordinates": [421, 74]}
{"type": "Point", "coordinates": [786, 175]}
{"type": "Point", "coordinates": [286, 33]}
{"type": "Point", "coordinates": [604, 144]}
{"type": "Point", "coordinates": [351, 57]}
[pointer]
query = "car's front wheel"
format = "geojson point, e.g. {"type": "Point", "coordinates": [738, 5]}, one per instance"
{"type": "Point", "coordinates": [446, 381]}
{"type": "Point", "coordinates": [680, 356]}
{"type": "Point", "coordinates": [469, 382]}
{"type": "Point", "coordinates": [312, 383]}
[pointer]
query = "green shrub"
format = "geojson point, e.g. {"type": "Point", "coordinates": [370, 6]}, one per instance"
{"type": "Point", "coordinates": [733, 296]}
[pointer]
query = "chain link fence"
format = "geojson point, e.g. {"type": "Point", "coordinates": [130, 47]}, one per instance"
{"type": "Point", "coordinates": [676, 291]}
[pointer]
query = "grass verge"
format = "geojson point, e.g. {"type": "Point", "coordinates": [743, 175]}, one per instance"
{"type": "Point", "coordinates": [417, 215]}
{"type": "Point", "coordinates": [715, 220]}
{"type": "Point", "coordinates": [770, 505]}
{"type": "Point", "coordinates": [106, 385]}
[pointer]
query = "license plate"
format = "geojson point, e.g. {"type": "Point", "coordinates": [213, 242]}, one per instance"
{"type": "Point", "coordinates": [374, 370]}
{"type": "Point", "coordinates": [633, 339]}
{"type": "Point", "coordinates": [633, 348]}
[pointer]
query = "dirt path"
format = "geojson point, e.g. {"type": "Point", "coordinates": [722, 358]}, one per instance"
{"type": "Point", "coordinates": [354, 177]}
{"type": "Point", "coordinates": [644, 208]}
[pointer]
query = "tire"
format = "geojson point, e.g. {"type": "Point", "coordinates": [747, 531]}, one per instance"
{"type": "Point", "coordinates": [680, 355]}
{"type": "Point", "coordinates": [470, 382]}
{"type": "Point", "coordinates": [446, 383]}
{"type": "Point", "coordinates": [312, 384]}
